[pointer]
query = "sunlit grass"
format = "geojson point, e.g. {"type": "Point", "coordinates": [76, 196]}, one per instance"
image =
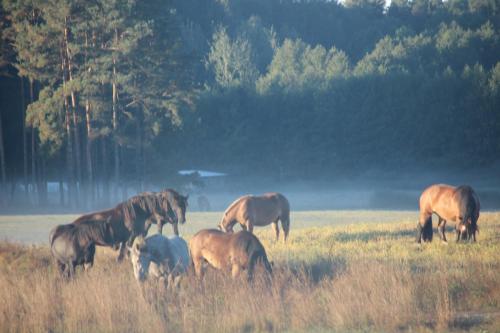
{"type": "Point", "coordinates": [342, 271]}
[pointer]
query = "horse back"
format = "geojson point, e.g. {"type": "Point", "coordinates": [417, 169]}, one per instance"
{"type": "Point", "coordinates": [103, 215]}
{"type": "Point", "coordinates": [267, 208]}
{"type": "Point", "coordinates": [179, 252]}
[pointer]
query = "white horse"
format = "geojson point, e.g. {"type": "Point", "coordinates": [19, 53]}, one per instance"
{"type": "Point", "coordinates": [160, 257]}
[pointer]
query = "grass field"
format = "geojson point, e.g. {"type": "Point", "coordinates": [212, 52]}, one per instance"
{"type": "Point", "coordinates": [354, 271]}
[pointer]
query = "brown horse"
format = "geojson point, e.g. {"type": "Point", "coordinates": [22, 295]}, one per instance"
{"type": "Point", "coordinates": [250, 211]}
{"type": "Point", "coordinates": [134, 216]}
{"type": "Point", "coordinates": [74, 244]}
{"type": "Point", "coordinates": [458, 204]}
{"type": "Point", "coordinates": [236, 252]}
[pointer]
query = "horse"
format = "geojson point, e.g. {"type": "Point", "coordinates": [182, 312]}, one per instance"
{"type": "Point", "coordinates": [250, 211]}
{"type": "Point", "coordinates": [458, 204]}
{"type": "Point", "coordinates": [134, 216]}
{"type": "Point", "coordinates": [203, 203]}
{"type": "Point", "coordinates": [227, 251]}
{"type": "Point", "coordinates": [72, 245]}
{"type": "Point", "coordinates": [159, 257]}
{"type": "Point", "coordinates": [175, 206]}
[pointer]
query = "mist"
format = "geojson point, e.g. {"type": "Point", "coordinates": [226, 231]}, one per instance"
{"type": "Point", "coordinates": [353, 106]}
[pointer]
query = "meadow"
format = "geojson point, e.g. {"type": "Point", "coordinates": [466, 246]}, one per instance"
{"type": "Point", "coordinates": [341, 271]}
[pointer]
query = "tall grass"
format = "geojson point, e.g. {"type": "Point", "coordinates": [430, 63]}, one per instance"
{"type": "Point", "coordinates": [356, 278]}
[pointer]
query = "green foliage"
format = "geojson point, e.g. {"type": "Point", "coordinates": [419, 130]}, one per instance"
{"type": "Point", "coordinates": [297, 67]}
{"type": "Point", "coordinates": [283, 87]}
{"type": "Point", "coordinates": [231, 61]}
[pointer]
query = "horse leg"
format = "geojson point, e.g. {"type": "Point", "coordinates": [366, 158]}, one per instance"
{"type": "Point", "coordinates": [419, 232]}
{"type": "Point", "coordinates": [285, 224]}
{"type": "Point", "coordinates": [147, 225]}
{"type": "Point", "coordinates": [61, 267]}
{"type": "Point", "coordinates": [71, 269]}
{"type": "Point", "coordinates": [441, 229]}
{"type": "Point", "coordinates": [198, 267]}
{"type": "Point", "coordinates": [176, 228]}
{"type": "Point", "coordinates": [276, 229]}
{"type": "Point", "coordinates": [235, 270]}
{"type": "Point", "coordinates": [249, 226]}
{"type": "Point", "coordinates": [121, 254]}
{"type": "Point", "coordinates": [160, 226]}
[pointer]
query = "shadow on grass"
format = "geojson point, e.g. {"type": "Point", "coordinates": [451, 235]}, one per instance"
{"type": "Point", "coordinates": [375, 235]}
{"type": "Point", "coordinates": [366, 236]}
{"type": "Point", "coordinates": [317, 270]}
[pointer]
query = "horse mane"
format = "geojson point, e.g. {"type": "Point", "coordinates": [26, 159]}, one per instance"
{"type": "Point", "coordinates": [172, 194]}
{"type": "Point", "coordinates": [92, 231]}
{"type": "Point", "coordinates": [467, 203]}
{"type": "Point", "coordinates": [148, 202]}
{"type": "Point", "coordinates": [234, 203]}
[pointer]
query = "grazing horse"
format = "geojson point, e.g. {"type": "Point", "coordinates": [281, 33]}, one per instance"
{"type": "Point", "coordinates": [134, 216]}
{"type": "Point", "coordinates": [74, 244]}
{"type": "Point", "coordinates": [458, 204]}
{"type": "Point", "coordinates": [159, 257]}
{"type": "Point", "coordinates": [250, 211]}
{"type": "Point", "coordinates": [227, 251]}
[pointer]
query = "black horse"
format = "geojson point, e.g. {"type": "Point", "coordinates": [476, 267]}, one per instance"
{"type": "Point", "coordinates": [74, 244]}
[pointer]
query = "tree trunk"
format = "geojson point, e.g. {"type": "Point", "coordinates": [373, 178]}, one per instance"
{"type": "Point", "coordinates": [33, 147]}
{"type": "Point", "coordinates": [116, 150]}
{"type": "Point", "coordinates": [88, 147]}
{"type": "Point", "coordinates": [74, 113]}
{"type": "Point", "coordinates": [61, 192]}
{"type": "Point", "coordinates": [69, 141]}
{"type": "Point", "coordinates": [139, 155]}
{"type": "Point", "coordinates": [25, 143]}
{"type": "Point", "coordinates": [69, 157]}
{"type": "Point", "coordinates": [105, 180]}
{"type": "Point", "coordinates": [3, 191]}
{"type": "Point", "coordinates": [90, 174]}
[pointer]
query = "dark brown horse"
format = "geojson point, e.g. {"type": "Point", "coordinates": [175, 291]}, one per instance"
{"type": "Point", "coordinates": [233, 252]}
{"type": "Point", "coordinates": [174, 206]}
{"type": "Point", "coordinates": [134, 216]}
{"type": "Point", "coordinates": [74, 244]}
{"type": "Point", "coordinates": [458, 204]}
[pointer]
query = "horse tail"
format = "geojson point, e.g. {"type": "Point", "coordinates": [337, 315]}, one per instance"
{"type": "Point", "coordinates": [427, 230]}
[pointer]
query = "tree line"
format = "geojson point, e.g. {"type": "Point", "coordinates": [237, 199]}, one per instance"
{"type": "Point", "coordinates": [112, 94]}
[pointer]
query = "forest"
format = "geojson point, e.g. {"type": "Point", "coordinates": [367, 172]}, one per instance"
{"type": "Point", "coordinates": [101, 96]}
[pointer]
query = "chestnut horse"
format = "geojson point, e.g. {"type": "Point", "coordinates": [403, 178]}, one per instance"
{"type": "Point", "coordinates": [458, 204]}
{"type": "Point", "coordinates": [250, 211]}
{"type": "Point", "coordinates": [235, 252]}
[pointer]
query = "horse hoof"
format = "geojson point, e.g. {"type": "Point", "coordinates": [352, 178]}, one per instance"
{"type": "Point", "coordinates": [444, 242]}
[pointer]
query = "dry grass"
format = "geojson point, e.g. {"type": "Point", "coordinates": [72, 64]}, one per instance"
{"type": "Point", "coordinates": [357, 278]}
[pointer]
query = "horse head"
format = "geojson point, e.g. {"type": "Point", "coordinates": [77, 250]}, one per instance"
{"type": "Point", "coordinates": [174, 206]}
{"type": "Point", "coordinates": [141, 258]}
{"type": "Point", "coordinates": [226, 224]}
